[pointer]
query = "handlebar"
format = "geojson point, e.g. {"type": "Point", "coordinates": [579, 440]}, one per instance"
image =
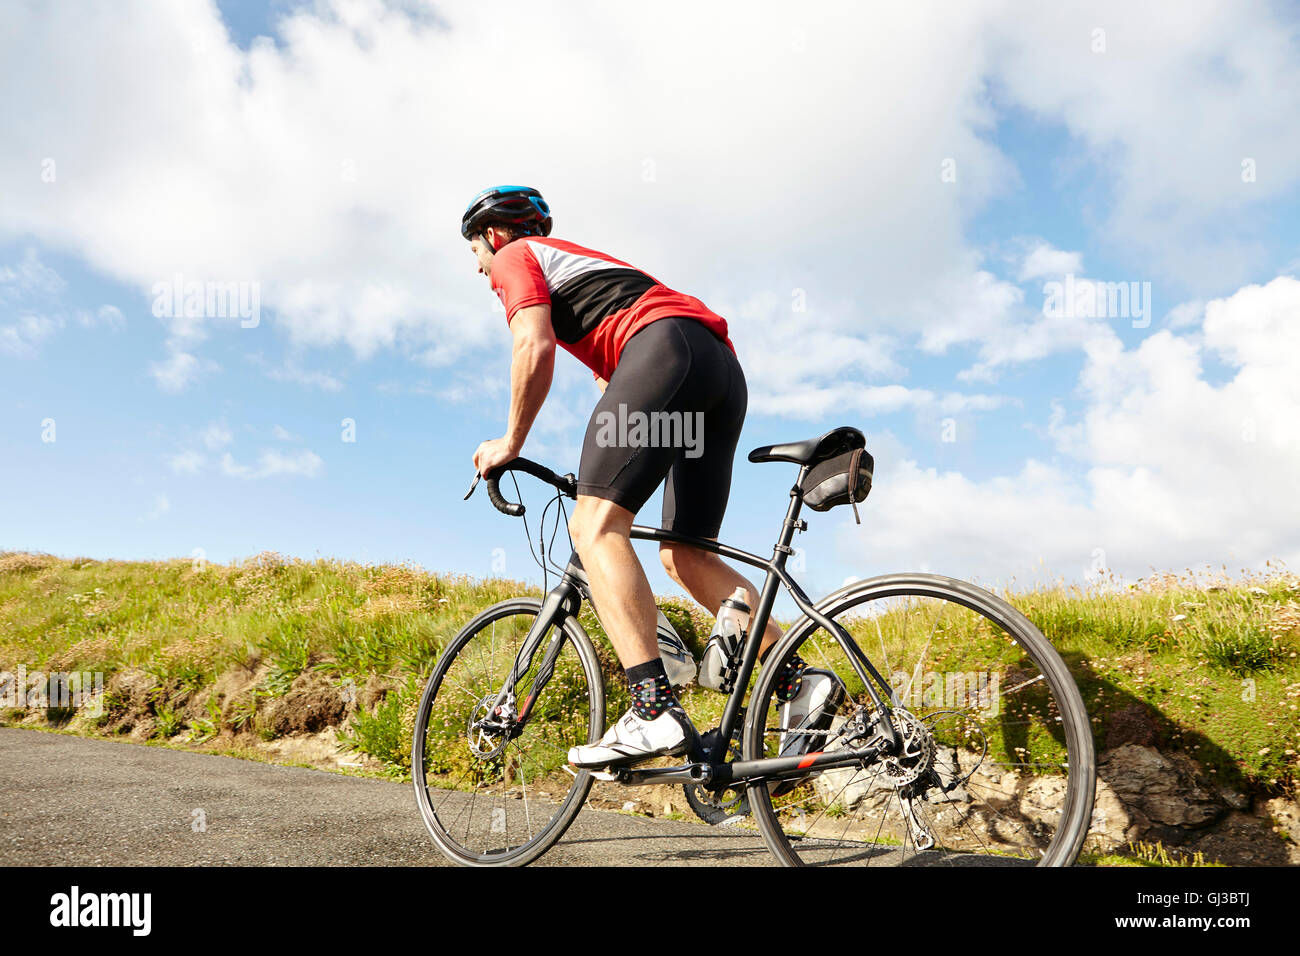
{"type": "Point", "coordinates": [565, 485]}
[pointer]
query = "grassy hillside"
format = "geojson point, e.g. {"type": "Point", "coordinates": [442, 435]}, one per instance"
{"type": "Point", "coordinates": [1207, 670]}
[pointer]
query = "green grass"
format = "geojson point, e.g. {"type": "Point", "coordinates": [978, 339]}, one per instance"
{"type": "Point", "coordinates": [1146, 854]}
{"type": "Point", "coordinates": [1213, 670]}
{"type": "Point", "coordinates": [170, 721]}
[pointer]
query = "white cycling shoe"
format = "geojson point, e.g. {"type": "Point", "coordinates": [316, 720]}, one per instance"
{"type": "Point", "coordinates": [634, 738]}
{"type": "Point", "coordinates": [820, 696]}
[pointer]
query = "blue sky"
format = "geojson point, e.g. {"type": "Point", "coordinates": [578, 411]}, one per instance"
{"type": "Point", "coordinates": [329, 167]}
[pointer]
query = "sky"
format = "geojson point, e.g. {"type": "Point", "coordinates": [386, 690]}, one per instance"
{"type": "Point", "coordinates": [903, 212]}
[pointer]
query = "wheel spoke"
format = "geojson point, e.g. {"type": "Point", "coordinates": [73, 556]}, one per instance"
{"type": "Point", "coordinates": [459, 768]}
{"type": "Point", "coordinates": [976, 695]}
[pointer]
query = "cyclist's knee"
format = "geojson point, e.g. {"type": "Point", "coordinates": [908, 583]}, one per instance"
{"type": "Point", "coordinates": [683, 562]}
{"type": "Point", "coordinates": [668, 558]}
{"type": "Point", "coordinates": [594, 518]}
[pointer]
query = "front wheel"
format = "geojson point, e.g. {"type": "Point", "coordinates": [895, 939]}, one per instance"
{"type": "Point", "coordinates": [997, 764]}
{"type": "Point", "coordinates": [492, 792]}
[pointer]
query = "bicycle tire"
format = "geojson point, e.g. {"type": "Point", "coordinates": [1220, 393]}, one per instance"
{"type": "Point", "coordinates": [980, 818]}
{"type": "Point", "coordinates": [473, 668]}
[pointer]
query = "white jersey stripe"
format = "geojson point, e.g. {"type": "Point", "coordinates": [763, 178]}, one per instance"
{"type": "Point", "coordinates": [558, 266]}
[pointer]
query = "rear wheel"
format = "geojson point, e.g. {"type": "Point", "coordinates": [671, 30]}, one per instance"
{"type": "Point", "coordinates": [490, 792]}
{"type": "Point", "coordinates": [998, 765]}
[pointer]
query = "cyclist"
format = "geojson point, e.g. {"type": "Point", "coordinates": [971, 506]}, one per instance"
{"type": "Point", "coordinates": [653, 352]}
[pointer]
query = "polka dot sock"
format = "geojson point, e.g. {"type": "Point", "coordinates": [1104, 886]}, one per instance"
{"type": "Point", "coordinates": [650, 690]}
{"type": "Point", "coordinates": [790, 679]}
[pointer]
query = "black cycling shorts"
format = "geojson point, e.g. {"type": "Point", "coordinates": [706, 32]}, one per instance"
{"type": "Point", "coordinates": [673, 409]}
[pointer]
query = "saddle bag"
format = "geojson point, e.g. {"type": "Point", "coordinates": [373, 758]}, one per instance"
{"type": "Point", "coordinates": [842, 480]}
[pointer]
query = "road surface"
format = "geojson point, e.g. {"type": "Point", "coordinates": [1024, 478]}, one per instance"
{"type": "Point", "coordinates": [74, 801]}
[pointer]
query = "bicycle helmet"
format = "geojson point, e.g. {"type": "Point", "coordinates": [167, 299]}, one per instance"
{"type": "Point", "coordinates": [520, 207]}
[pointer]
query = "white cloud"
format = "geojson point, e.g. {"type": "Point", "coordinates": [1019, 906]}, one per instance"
{"type": "Point", "coordinates": [292, 372]}
{"type": "Point", "coordinates": [967, 307]}
{"type": "Point", "coordinates": [33, 290]}
{"type": "Point", "coordinates": [351, 125]}
{"type": "Point", "coordinates": [1186, 315]}
{"type": "Point", "coordinates": [270, 463]}
{"type": "Point", "coordinates": [283, 433]}
{"type": "Point", "coordinates": [161, 506]}
{"type": "Point", "coordinates": [109, 316]}
{"type": "Point", "coordinates": [1178, 471]}
{"type": "Point", "coordinates": [187, 462]}
{"type": "Point", "coordinates": [29, 278]}
{"type": "Point", "coordinates": [179, 371]}
{"type": "Point", "coordinates": [1046, 260]}
{"type": "Point", "coordinates": [217, 435]}
{"type": "Point", "coordinates": [24, 337]}
{"type": "Point", "coordinates": [1168, 113]}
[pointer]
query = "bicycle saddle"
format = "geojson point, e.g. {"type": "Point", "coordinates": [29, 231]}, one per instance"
{"type": "Point", "coordinates": [810, 451]}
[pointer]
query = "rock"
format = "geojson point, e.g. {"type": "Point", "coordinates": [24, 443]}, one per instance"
{"type": "Point", "coordinates": [1285, 817]}
{"type": "Point", "coordinates": [1112, 825]}
{"type": "Point", "coordinates": [133, 688]}
{"type": "Point", "coordinates": [1242, 839]}
{"type": "Point", "coordinates": [1168, 790]}
{"type": "Point", "coordinates": [1234, 798]}
{"type": "Point", "coordinates": [312, 704]}
{"type": "Point", "coordinates": [1042, 799]}
{"type": "Point", "coordinates": [848, 786]}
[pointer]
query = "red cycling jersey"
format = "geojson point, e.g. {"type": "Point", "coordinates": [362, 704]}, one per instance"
{"type": "Point", "coordinates": [597, 302]}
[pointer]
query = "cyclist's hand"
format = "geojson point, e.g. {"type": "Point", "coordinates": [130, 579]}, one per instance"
{"type": "Point", "coordinates": [493, 453]}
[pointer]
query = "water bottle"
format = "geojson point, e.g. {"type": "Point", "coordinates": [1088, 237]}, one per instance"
{"type": "Point", "coordinates": [722, 655]}
{"type": "Point", "coordinates": [678, 663]}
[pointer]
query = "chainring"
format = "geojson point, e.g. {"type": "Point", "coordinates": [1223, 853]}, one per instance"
{"type": "Point", "coordinates": [721, 807]}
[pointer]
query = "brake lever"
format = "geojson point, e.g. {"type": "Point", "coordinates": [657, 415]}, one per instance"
{"type": "Point", "coordinates": [477, 478]}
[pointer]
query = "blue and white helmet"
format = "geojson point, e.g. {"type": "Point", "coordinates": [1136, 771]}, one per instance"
{"type": "Point", "coordinates": [519, 206]}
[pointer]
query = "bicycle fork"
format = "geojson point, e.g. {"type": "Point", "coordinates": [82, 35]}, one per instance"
{"type": "Point", "coordinates": [563, 600]}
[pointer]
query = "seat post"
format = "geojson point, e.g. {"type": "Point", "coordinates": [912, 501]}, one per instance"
{"type": "Point", "coordinates": [782, 548]}
{"type": "Point", "coordinates": [759, 616]}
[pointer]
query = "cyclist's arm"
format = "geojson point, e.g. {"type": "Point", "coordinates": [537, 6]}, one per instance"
{"type": "Point", "coordinates": [532, 363]}
{"type": "Point", "coordinates": [601, 383]}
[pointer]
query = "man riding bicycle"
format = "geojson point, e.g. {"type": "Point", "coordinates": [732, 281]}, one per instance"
{"type": "Point", "coordinates": [652, 351]}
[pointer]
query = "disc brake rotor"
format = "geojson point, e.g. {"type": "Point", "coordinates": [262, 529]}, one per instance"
{"type": "Point", "coordinates": [915, 756]}
{"type": "Point", "coordinates": [489, 726]}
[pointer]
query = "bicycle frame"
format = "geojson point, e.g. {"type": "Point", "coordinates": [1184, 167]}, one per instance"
{"type": "Point", "coordinates": [566, 597]}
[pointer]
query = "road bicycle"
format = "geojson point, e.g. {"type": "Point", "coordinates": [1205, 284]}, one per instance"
{"type": "Point", "coordinates": [961, 738]}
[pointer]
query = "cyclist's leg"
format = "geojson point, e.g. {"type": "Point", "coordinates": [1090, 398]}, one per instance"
{"type": "Point", "coordinates": [619, 472]}
{"type": "Point", "coordinates": [699, 484]}
{"type": "Point", "coordinates": [619, 587]}
{"type": "Point", "coordinates": [708, 579]}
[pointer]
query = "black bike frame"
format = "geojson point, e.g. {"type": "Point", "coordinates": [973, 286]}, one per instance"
{"type": "Point", "coordinates": [566, 597]}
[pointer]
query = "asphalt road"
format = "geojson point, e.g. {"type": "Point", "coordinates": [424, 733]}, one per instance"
{"type": "Point", "coordinates": [72, 801]}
